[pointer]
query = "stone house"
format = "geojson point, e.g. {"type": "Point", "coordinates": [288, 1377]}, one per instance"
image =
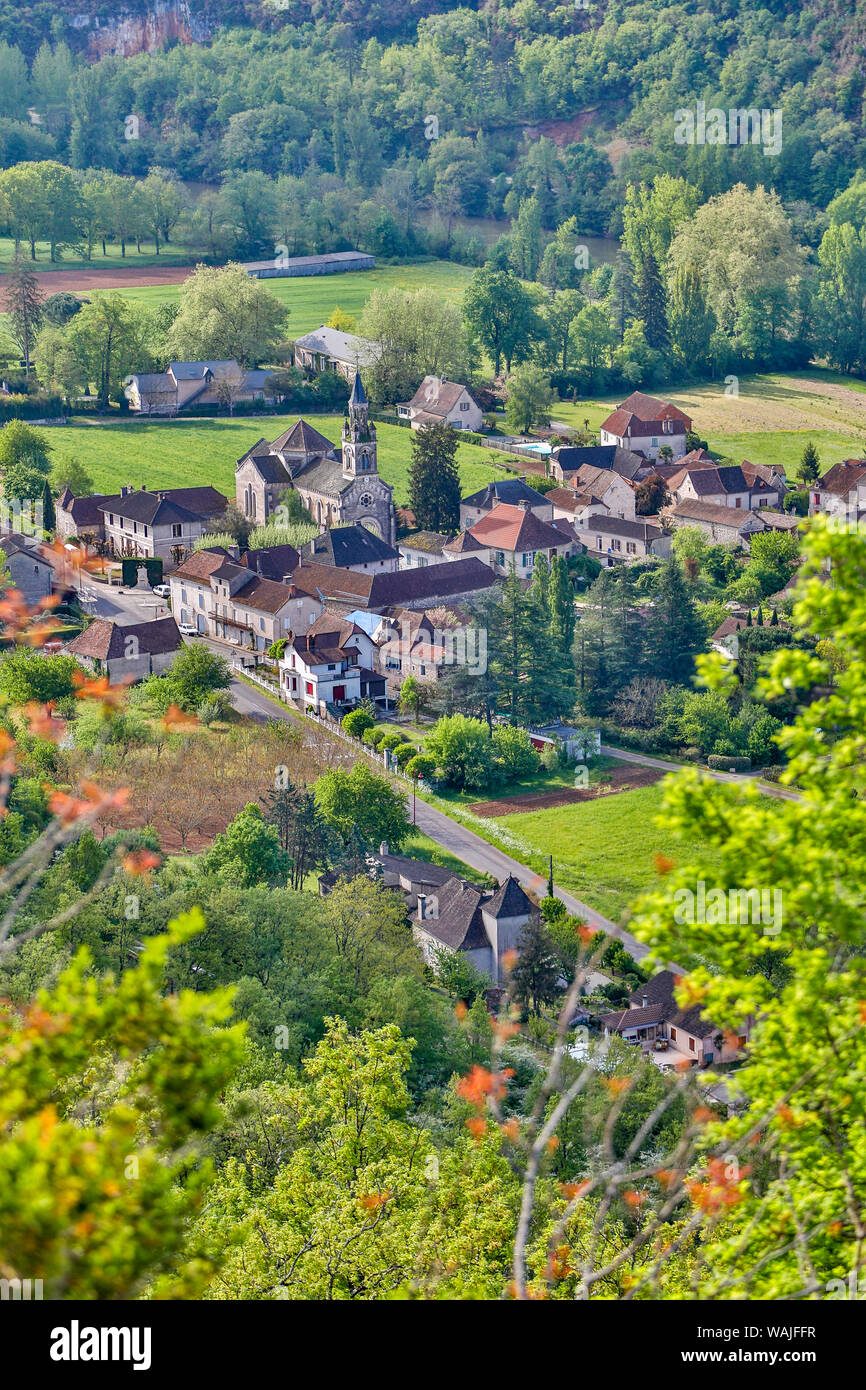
{"type": "Point", "coordinates": [618, 541]}
{"type": "Point", "coordinates": [186, 384]}
{"type": "Point", "coordinates": [512, 538]}
{"type": "Point", "coordinates": [329, 350]}
{"type": "Point", "coordinates": [513, 492]}
{"type": "Point", "coordinates": [223, 599]}
{"type": "Point", "coordinates": [645, 425]}
{"type": "Point", "coordinates": [29, 569]}
{"type": "Point", "coordinates": [841, 493]}
{"type": "Point", "coordinates": [163, 524]}
{"type": "Point", "coordinates": [483, 924]}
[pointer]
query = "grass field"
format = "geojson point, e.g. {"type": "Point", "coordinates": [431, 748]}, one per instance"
{"type": "Point", "coordinates": [186, 453]}
{"type": "Point", "coordinates": [114, 260]}
{"type": "Point", "coordinates": [603, 850]}
{"type": "Point", "coordinates": [769, 421]}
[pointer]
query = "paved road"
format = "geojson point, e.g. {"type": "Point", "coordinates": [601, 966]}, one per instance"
{"type": "Point", "coordinates": [456, 838]}
{"type": "Point", "coordinates": [642, 760]}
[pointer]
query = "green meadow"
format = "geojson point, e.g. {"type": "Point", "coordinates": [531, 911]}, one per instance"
{"type": "Point", "coordinates": [603, 850]}
{"type": "Point", "coordinates": [185, 453]}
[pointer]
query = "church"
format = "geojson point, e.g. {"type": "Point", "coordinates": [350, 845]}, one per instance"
{"type": "Point", "coordinates": [337, 488]}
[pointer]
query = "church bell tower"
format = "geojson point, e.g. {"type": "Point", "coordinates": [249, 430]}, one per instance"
{"type": "Point", "coordinates": [359, 436]}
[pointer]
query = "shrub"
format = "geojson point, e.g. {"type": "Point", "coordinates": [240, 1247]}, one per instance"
{"type": "Point", "coordinates": [390, 740]}
{"type": "Point", "coordinates": [721, 762]}
{"type": "Point", "coordinates": [405, 753]}
{"type": "Point", "coordinates": [357, 722]}
{"type": "Point", "coordinates": [370, 737]}
{"type": "Point", "coordinates": [215, 707]}
{"type": "Point", "coordinates": [422, 765]}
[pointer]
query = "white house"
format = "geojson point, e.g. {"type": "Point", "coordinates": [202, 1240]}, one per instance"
{"type": "Point", "coordinates": [439, 401]}
{"type": "Point", "coordinates": [646, 425]}
{"type": "Point", "coordinates": [618, 541]}
{"type": "Point", "coordinates": [330, 663]}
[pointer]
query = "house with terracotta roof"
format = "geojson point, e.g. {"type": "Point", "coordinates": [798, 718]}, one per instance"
{"type": "Point", "coordinates": [485, 925]}
{"type": "Point", "coordinates": [841, 493]}
{"type": "Point", "coordinates": [225, 600]}
{"type": "Point", "coordinates": [439, 401]}
{"type": "Point", "coordinates": [653, 1014]}
{"type": "Point", "coordinates": [512, 491]}
{"type": "Point", "coordinates": [165, 524]}
{"type": "Point", "coordinates": [330, 663]}
{"type": "Point", "coordinates": [574, 506]}
{"type": "Point", "coordinates": [128, 653]}
{"type": "Point", "coordinates": [645, 425]}
{"type": "Point", "coordinates": [425, 642]}
{"type": "Point", "coordinates": [614, 491]}
{"type": "Point", "coordinates": [512, 538]}
{"type": "Point", "coordinates": [343, 590]}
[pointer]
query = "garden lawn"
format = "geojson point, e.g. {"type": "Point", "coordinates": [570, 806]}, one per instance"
{"type": "Point", "coordinates": [188, 453]}
{"type": "Point", "coordinates": [603, 850]}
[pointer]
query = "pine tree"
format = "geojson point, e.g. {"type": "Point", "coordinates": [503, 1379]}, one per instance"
{"type": "Point", "coordinates": [774, 621]}
{"type": "Point", "coordinates": [676, 632]}
{"type": "Point", "coordinates": [536, 972]}
{"type": "Point", "coordinates": [809, 467]}
{"type": "Point", "coordinates": [652, 304]}
{"type": "Point", "coordinates": [24, 302]}
{"type": "Point", "coordinates": [434, 479]}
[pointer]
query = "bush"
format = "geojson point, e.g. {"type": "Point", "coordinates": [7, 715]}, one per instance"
{"type": "Point", "coordinates": [692, 753]}
{"type": "Point", "coordinates": [405, 753]}
{"type": "Point", "coordinates": [514, 751]}
{"type": "Point", "coordinates": [357, 722]}
{"type": "Point", "coordinates": [422, 765]}
{"type": "Point", "coordinates": [28, 675]}
{"type": "Point", "coordinates": [391, 740]}
{"type": "Point", "coordinates": [720, 762]}
{"type": "Point", "coordinates": [215, 707]}
{"type": "Point", "coordinates": [370, 737]}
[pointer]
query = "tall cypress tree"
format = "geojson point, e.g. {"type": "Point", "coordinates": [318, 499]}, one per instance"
{"type": "Point", "coordinates": [652, 304]}
{"type": "Point", "coordinates": [49, 520]}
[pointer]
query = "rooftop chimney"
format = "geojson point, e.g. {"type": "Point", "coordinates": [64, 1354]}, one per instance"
{"type": "Point", "coordinates": [383, 848]}
{"type": "Point", "coordinates": [422, 903]}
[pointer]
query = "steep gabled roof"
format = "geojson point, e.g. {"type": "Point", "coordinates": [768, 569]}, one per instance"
{"type": "Point", "coordinates": [509, 900]}
{"type": "Point", "coordinates": [104, 640]}
{"type": "Point", "coordinates": [842, 477]}
{"type": "Point", "coordinates": [436, 396]}
{"type": "Point", "coordinates": [301, 438]}
{"type": "Point", "coordinates": [349, 545]}
{"type": "Point", "coordinates": [429, 582]}
{"type": "Point", "coordinates": [514, 528]}
{"type": "Point", "coordinates": [510, 490]}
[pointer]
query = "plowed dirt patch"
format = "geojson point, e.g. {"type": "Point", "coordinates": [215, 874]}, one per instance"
{"type": "Point", "coordinates": [622, 779]}
{"type": "Point", "coordinates": [79, 281]}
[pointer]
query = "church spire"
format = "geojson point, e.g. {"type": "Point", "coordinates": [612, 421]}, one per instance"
{"type": "Point", "coordinates": [359, 436]}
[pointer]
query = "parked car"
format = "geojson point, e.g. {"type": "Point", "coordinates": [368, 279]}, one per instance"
{"type": "Point", "coordinates": [187, 630]}
{"type": "Point", "coordinates": [162, 590]}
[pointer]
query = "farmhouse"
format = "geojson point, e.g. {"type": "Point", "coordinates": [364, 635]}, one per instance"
{"type": "Point", "coordinates": [570, 459]}
{"type": "Point", "coordinates": [29, 568]}
{"type": "Point", "coordinates": [653, 1013]}
{"type": "Point", "coordinates": [841, 493]}
{"type": "Point", "coordinates": [484, 924]}
{"type": "Point", "coordinates": [726, 525]}
{"type": "Point", "coordinates": [79, 516]}
{"type": "Point", "coordinates": [645, 425]}
{"type": "Point", "coordinates": [338, 489]}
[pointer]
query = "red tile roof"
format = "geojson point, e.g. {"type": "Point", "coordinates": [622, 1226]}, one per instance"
{"type": "Point", "coordinates": [513, 528]}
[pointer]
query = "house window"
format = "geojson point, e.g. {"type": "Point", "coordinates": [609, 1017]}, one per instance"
{"type": "Point", "coordinates": [526, 559]}
{"type": "Point", "coordinates": [261, 624]}
{"type": "Point", "coordinates": [817, 497]}
{"type": "Point", "coordinates": [135, 528]}
{"type": "Point", "coordinates": [655, 441]}
{"type": "Point", "coordinates": [111, 516]}
{"type": "Point", "coordinates": [673, 1035]}
{"type": "Point", "coordinates": [464, 405]}
{"type": "Point", "coordinates": [691, 1044]}
{"type": "Point", "coordinates": [738, 501]}
{"type": "Point", "coordinates": [500, 557]}
{"type": "Point", "coordinates": [309, 685]}
{"type": "Point", "coordinates": [145, 531]}
{"type": "Point", "coordinates": [600, 542]}
{"type": "Point", "coordinates": [183, 595]}
{"type": "Point", "coordinates": [630, 547]}
{"type": "Point", "coordinates": [177, 530]}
